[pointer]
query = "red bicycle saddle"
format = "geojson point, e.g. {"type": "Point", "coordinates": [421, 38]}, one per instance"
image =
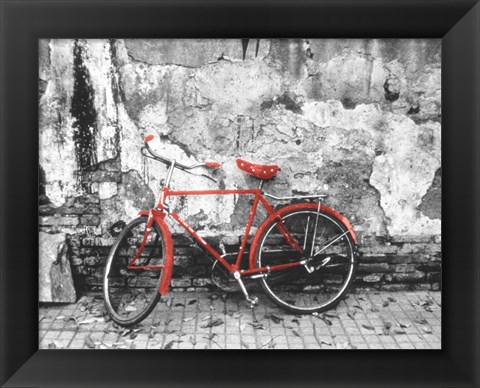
{"type": "Point", "coordinates": [260, 171]}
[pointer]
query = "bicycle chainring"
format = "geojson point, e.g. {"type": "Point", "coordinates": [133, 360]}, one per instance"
{"type": "Point", "coordinates": [222, 278]}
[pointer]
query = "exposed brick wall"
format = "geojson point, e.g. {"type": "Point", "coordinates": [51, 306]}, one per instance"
{"type": "Point", "coordinates": [392, 265]}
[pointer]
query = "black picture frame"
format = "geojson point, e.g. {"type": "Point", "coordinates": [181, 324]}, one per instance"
{"type": "Point", "coordinates": [22, 23]}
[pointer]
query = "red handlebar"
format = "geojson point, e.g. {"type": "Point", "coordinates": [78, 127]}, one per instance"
{"type": "Point", "coordinates": [148, 138]}
{"type": "Point", "coordinates": [213, 165]}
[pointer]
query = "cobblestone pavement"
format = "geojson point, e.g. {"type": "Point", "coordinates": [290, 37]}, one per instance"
{"type": "Point", "coordinates": [374, 320]}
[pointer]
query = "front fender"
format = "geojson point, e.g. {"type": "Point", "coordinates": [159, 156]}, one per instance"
{"type": "Point", "coordinates": [308, 205]}
{"type": "Point", "coordinates": [166, 276]}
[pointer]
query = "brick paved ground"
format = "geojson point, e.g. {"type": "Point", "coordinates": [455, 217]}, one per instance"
{"type": "Point", "coordinates": [376, 320]}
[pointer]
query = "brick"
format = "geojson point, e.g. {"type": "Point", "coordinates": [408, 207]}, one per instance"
{"type": "Point", "coordinates": [422, 287]}
{"type": "Point", "coordinates": [434, 277]}
{"type": "Point", "coordinates": [59, 221]}
{"type": "Point", "coordinates": [379, 249]}
{"type": "Point", "coordinates": [412, 239]}
{"type": "Point", "coordinates": [408, 277]}
{"type": "Point", "coordinates": [181, 283]}
{"type": "Point", "coordinates": [419, 248]}
{"type": "Point", "coordinates": [373, 278]}
{"type": "Point", "coordinates": [395, 287]}
{"type": "Point", "coordinates": [202, 282]}
{"type": "Point", "coordinates": [89, 220]}
{"type": "Point", "coordinates": [402, 268]}
{"type": "Point", "coordinates": [93, 261]}
{"type": "Point", "coordinates": [377, 267]}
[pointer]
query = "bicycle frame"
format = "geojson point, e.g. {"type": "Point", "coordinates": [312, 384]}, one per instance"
{"type": "Point", "coordinates": [162, 210]}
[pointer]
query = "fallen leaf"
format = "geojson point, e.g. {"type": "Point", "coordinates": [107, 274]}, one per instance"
{"type": "Point", "coordinates": [391, 299]}
{"type": "Point", "coordinates": [52, 345]}
{"type": "Point", "coordinates": [274, 318]}
{"type": "Point", "coordinates": [331, 315]}
{"type": "Point", "coordinates": [374, 309]}
{"type": "Point", "coordinates": [210, 336]}
{"type": "Point", "coordinates": [257, 325]}
{"type": "Point", "coordinates": [133, 336]}
{"type": "Point", "coordinates": [324, 319]}
{"type": "Point", "coordinates": [126, 332]}
{"type": "Point", "coordinates": [89, 343]}
{"type": "Point", "coordinates": [420, 321]}
{"type": "Point", "coordinates": [399, 331]}
{"type": "Point", "coordinates": [426, 329]}
{"type": "Point", "coordinates": [404, 325]}
{"type": "Point", "coordinates": [385, 331]}
{"type": "Point", "coordinates": [295, 333]}
{"type": "Point", "coordinates": [213, 323]}
{"type": "Point", "coordinates": [179, 305]}
{"type": "Point", "coordinates": [243, 326]}
{"type": "Point", "coordinates": [167, 321]}
{"type": "Point", "coordinates": [325, 343]}
{"type": "Point", "coordinates": [192, 340]}
{"type": "Point", "coordinates": [170, 331]}
{"type": "Point", "coordinates": [60, 317]}
{"type": "Point", "coordinates": [357, 307]}
{"type": "Point", "coordinates": [88, 321]}
{"type": "Point", "coordinates": [73, 319]}
{"type": "Point", "coordinates": [352, 313]}
{"type": "Point", "coordinates": [266, 343]}
{"type": "Point", "coordinates": [130, 308]}
{"type": "Point", "coordinates": [368, 327]}
{"type": "Point", "coordinates": [207, 317]}
{"type": "Point", "coordinates": [387, 324]}
{"type": "Point", "coordinates": [188, 319]}
{"type": "Point", "coordinates": [296, 321]}
{"type": "Point", "coordinates": [169, 345]}
{"type": "Point", "coordinates": [190, 302]}
{"type": "Point", "coordinates": [385, 304]}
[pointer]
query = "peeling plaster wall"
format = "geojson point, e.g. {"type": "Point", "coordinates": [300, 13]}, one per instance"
{"type": "Point", "coordinates": [356, 119]}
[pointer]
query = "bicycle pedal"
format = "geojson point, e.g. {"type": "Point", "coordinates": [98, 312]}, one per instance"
{"type": "Point", "coordinates": [253, 302]}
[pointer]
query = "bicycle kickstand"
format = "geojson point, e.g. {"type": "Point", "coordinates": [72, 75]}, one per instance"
{"type": "Point", "coordinates": [252, 301]}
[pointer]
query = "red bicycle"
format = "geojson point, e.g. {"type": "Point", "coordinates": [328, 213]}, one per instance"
{"type": "Point", "coordinates": [303, 255]}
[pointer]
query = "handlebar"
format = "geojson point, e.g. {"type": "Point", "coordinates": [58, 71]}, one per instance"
{"type": "Point", "coordinates": [160, 158]}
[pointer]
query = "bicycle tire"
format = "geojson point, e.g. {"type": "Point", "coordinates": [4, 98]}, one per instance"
{"type": "Point", "coordinates": [123, 288]}
{"type": "Point", "coordinates": [295, 289]}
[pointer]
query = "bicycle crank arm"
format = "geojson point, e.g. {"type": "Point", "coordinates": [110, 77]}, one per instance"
{"type": "Point", "coordinates": [252, 300]}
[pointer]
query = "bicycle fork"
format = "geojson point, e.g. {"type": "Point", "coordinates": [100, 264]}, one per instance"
{"type": "Point", "coordinates": [253, 301]}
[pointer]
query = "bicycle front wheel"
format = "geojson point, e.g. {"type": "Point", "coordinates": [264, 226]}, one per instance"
{"type": "Point", "coordinates": [131, 289]}
{"type": "Point", "coordinates": [324, 245]}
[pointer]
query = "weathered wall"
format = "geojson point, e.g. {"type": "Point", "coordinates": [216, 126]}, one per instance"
{"type": "Point", "coordinates": [357, 119]}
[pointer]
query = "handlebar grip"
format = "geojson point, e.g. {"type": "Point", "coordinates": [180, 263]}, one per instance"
{"type": "Point", "coordinates": [148, 138]}
{"type": "Point", "coordinates": [213, 164]}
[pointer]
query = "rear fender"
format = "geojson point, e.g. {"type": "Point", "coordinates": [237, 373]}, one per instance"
{"type": "Point", "coordinates": [308, 205]}
{"type": "Point", "coordinates": [166, 277]}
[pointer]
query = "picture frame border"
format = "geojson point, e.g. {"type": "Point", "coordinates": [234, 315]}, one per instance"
{"type": "Point", "coordinates": [22, 23]}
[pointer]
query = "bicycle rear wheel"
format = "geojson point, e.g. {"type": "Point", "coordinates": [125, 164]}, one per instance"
{"type": "Point", "coordinates": [329, 253]}
{"type": "Point", "coordinates": [131, 290]}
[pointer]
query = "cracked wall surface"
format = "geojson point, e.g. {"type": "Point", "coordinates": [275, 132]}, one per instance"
{"type": "Point", "coordinates": [359, 120]}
